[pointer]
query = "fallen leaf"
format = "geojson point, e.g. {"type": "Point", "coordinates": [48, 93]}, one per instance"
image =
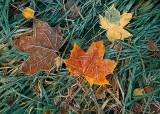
{"type": "Point", "coordinates": [129, 42]}
{"type": "Point", "coordinates": [138, 92]}
{"type": "Point", "coordinates": [90, 64]}
{"type": "Point", "coordinates": [117, 47]}
{"type": "Point", "coordinates": [58, 62]}
{"type": "Point", "coordinates": [41, 47]}
{"type": "Point", "coordinates": [114, 25]}
{"type": "Point", "coordinates": [152, 46]}
{"type": "Point", "coordinates": [28, 13]}
{"type": "Point", "coordinates": [148, 89]}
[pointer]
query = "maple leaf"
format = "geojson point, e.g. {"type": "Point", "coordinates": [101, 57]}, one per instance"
{"type": "Point", "coordinates": [90, 64]}
{"type": "Point", "coordinates": [114, 24]}
{"type": "Point", "coordinates": [41, 47]}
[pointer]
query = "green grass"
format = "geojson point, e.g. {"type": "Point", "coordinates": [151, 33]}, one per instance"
{"type": "Point", "coordinates": [136, 69]}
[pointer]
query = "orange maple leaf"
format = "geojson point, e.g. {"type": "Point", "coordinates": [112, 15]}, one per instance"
{"type": "Point", "coordinates": [41, 47]}
{"type": "Point", "coordinates": [90, 64]}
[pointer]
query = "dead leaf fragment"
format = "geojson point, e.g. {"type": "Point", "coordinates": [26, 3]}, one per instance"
{"type": "Point", "coordinates": [115, 27]}
{"type": "Point", "coordinates": [152, 46]}
{"type": "Point", "coordinates": [41, 47]}
{"type": "Point", "coordinates": [28, 13]}
{"type": "Point", "coordinates": [90, 64]}
{"type": "Point", "coordinates": [148, 89]}
{"type": "Point", "coordinates": [138, 92]}
{"type": "Point", "coordinates": [117, 47]}
{"type": "Point", "coordinates": [58, 62]}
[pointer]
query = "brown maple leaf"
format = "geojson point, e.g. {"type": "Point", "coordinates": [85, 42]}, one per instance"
{"type": "Point", "coordinates": [90, 64]}
{"type": "Point", "coordinates": [41, 47]}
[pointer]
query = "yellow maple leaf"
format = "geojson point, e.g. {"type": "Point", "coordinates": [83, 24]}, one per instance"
{"type": "Point", "coordinates": [116, 31]}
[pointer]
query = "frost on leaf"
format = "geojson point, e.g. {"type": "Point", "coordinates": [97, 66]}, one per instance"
{"type": "Point", "coordinates": [41, 47]}
{"type": "Point", "coordinates": [112, 15]}
{"type": "Point", "coordinates": [90, 64]}
{"type": "Point", "coordinates": [114, 23]}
